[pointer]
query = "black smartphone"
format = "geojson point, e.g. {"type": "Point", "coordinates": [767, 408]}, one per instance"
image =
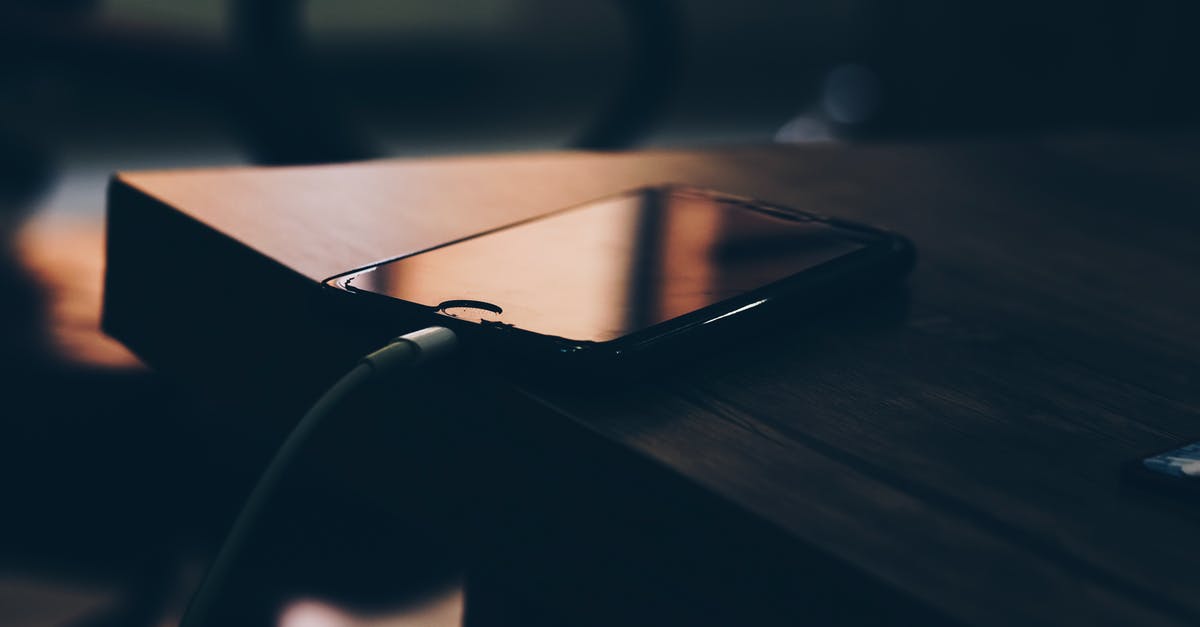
{"type": "Point", "coordinates": [1176, 470]}
{"type": "Point", "coordinates": [636, 275]}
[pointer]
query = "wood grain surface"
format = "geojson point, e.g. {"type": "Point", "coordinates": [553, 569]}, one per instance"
{"type": "Point", "coordinates": [962, 447]}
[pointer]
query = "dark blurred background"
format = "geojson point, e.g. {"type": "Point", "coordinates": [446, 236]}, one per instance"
{"type": "Point", "coordinates": [114, 491]}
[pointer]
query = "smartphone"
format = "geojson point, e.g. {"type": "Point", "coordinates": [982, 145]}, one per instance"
{"type": "Point", "coordinates": [632, 277]}
{"type": "Point", "coordinates": [1176, 470]}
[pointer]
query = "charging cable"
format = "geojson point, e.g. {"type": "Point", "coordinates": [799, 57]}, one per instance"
{"type": "Point", "coordinates": [402, 353]}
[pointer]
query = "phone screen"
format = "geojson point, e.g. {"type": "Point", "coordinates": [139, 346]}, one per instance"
{"type": "Point", "coordinates": [613, 267]}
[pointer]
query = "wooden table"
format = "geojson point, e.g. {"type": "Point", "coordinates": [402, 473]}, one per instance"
{"type": "Point", "coordinates": [949, 458]}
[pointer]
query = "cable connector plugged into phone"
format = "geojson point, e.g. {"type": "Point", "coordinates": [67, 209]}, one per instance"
{"type": "Point", "coordinates": [401, 354]}
{"type": "Point", "coordinates": [411, 349]}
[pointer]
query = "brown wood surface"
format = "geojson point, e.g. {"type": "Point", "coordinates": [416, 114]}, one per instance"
{"type": "Point", "coordinates": [965, 454]}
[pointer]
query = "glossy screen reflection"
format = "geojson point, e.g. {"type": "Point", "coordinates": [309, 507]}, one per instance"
{"type": "Point", "coordinates": [613, 267]}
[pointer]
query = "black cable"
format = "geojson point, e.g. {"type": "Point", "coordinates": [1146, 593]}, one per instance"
{"type": "Point", "coordinates": [656, 39]}
{"type": "Point", "coordinates": [284, 112]}
{"type": "Point", "coordinates": [288, 117]}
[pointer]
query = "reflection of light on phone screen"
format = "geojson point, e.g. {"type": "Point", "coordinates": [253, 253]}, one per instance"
{"type": "Point", "coordinates": [1181, 462]}
{"type": "Point", "coordinates": [614, 267]}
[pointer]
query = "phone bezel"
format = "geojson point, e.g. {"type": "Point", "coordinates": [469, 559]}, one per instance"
{"type": "Point", "coordinates": [884, 257]}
